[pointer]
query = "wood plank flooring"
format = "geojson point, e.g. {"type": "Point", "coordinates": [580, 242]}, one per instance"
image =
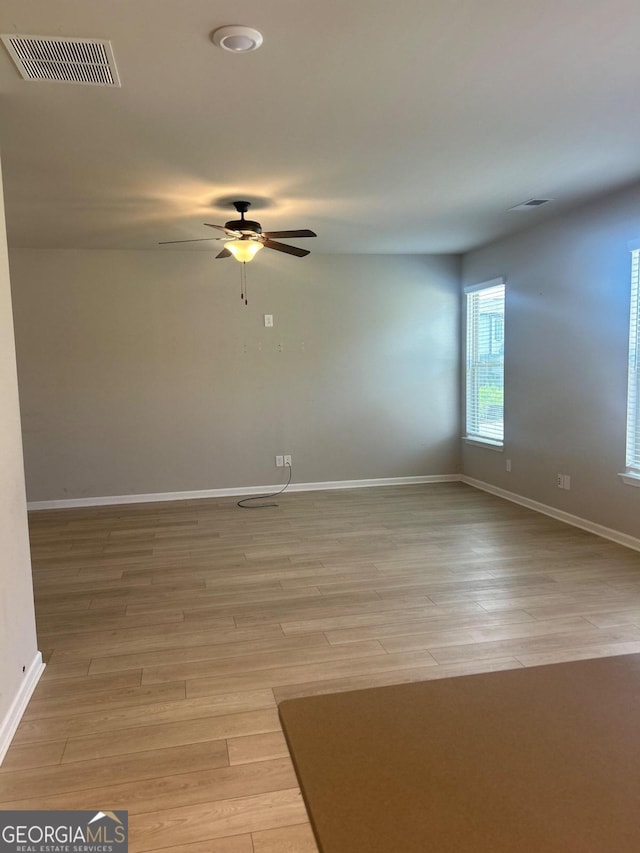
{"type": "Point", "coordinates": [172, 630]}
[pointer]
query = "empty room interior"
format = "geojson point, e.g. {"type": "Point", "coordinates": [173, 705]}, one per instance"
{"type": "Point", "coordinates": [320, 423]}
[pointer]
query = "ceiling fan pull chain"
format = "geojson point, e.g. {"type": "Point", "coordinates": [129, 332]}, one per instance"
{"type": "Point", "coordinates": [243, 283]}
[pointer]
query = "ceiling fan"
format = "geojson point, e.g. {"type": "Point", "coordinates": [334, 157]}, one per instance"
{"type": "Point", "coordinates": [245, 237]}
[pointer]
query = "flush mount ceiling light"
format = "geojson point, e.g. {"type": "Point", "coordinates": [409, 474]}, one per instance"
{"type": "Point", "coordinates": [237, 39]}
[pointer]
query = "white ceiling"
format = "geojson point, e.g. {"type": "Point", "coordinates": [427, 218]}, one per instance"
{"type": "Point", "coordinates": [386, 127]}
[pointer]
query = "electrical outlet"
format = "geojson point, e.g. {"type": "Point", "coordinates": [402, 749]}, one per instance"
{"type": "Point", "coordinates": [268, 320]}
{"type": "Point", "coordinates": [279, 461]}
{"type": "Point", "coordinates": [560, 481]}
{"type": "Point", "coordinates": [566, 484]}
{"type": "Point", "coordinates": [287, 462]}
{"type": "Point", "coordinates": [507, 464]}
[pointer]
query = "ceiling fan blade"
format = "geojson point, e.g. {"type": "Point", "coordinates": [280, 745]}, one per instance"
{"type": "Point", "coordinates": [225, 253]}
{"type": "Point", "coordinates": [222, 228]}
{"type": "Point", "coordinates": [197, 240]}
{"type": "Point", "coordinates": [282, 247]}
{"type": "Point", "coordinates": [287, 235]}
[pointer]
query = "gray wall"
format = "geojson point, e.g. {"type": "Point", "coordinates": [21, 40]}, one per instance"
{"type": "Point", "coordinates": [566, 349]}
{"type": "Point", "coordinates": [142, 371]}
{"type": "Point", "coordinates": [17, 624]}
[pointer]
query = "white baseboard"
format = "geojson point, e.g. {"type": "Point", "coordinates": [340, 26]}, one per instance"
{"type": "Point", "coordinates": [238, 491]}
{"type": "Point", "coordinates": [560, 515]}
{"type": "Point", "coordinates": [17, 708]}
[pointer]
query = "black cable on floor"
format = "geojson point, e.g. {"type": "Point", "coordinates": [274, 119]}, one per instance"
{"type": "Point", "coordinates": [243, 503]}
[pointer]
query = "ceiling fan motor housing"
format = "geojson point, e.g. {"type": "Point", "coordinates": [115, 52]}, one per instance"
{"type": "Point", "coordinates": [245, 226]}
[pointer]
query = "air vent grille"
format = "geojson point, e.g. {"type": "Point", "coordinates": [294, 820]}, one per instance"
{"type": "Point", "coordinates": [63, 60]}
{"type": "Point", "coordinates": [531, 204]}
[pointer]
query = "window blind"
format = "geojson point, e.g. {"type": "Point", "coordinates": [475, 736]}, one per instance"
{"type": "Point", "coordinates": [485, 362]}
{"type": "Point", "coordinates": [633, 398]}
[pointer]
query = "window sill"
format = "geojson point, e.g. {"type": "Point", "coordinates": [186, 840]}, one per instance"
{"type": "Point", "coordinates": [631, 478]}
{"type": "Point", "coordinates": [484, 442]}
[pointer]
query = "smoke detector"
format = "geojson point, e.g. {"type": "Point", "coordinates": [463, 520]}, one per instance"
{"type": "Point", "coordinates": [237, 39]}
{"type": "Point", "coordinates": [63, 60]}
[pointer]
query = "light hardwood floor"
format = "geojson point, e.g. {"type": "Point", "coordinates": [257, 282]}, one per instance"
{"type": "Point", "coordinates": [172, 630]}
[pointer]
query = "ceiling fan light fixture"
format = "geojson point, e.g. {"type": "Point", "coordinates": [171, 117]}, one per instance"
{"type": "Point", "coordinates": [243, 250]}
{"type": "Point", "coordinates": [237, 39]}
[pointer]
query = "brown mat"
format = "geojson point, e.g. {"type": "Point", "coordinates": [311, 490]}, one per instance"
{"type": "Point", "coordinates": [525, 761]}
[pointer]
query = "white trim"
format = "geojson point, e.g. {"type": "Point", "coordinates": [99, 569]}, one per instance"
{"type": "Point", "coordinates": [20, 701]}
{"type": "Point", "coordinates": [631, 478]}
{"type": "Point", "coordinates": [485, 285]}
{"type": "Point", "coordinates": [240, 490]}
{"type": "Point", "coordinates": [560, 515]}
{"type": "Point", "coordinates": [484, 442]}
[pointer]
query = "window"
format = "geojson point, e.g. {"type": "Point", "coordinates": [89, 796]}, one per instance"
{"type": "Point", "coordinates": [633, 396]}
{"type": "Point", "coordinates": [485, 362]}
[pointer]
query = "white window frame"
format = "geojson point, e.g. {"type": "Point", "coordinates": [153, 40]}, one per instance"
{"type": "Point", "coordinates": [632, 461]}
{"type": "Point", "coordinates": [473, 431]}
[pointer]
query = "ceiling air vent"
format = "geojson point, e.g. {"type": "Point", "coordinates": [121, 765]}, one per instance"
{"type": "Point", "coordinates": [63, 60]}
{"type": "Point", "coordinates": [531, 204]}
